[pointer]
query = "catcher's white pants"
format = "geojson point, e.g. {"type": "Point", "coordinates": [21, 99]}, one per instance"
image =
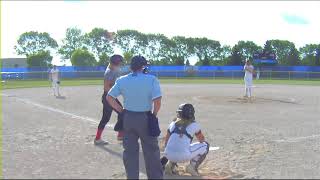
{"type": "Point", "coordinates": [55, 87]}
{"type": "Point", "coordinates": [195, 151]}
{"type": "Point", "coordinates": [248, 86]}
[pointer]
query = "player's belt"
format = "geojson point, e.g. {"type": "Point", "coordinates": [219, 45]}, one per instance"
{"type": "Point", "coordinates": [140, 112]}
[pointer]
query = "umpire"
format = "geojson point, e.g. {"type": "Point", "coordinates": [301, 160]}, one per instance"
{"type": "Point", "coordinates": [142, 99]}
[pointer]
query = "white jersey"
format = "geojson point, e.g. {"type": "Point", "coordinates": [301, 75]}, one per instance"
{"type": "Point", "coordinates": [180, 146]}
{"type": "Point", "coordinates": [248, 75]}
{"type": "Point", "coordinates": [54, 74]}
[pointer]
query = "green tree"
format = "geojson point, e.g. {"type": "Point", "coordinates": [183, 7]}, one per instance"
{"type": "Point", "coordinates": [187, 62]}
{"type": "Point", "coordinates": [223, 57]}
{"type": "Point", "coordinates": [225, 52]}
{"type": "Point", "coordinates": [309, 54]}
{"type": "Point", "coordinates": [205, 49]}
{"type": "Point", "coordinates": [281, 48]}
{"type": "Point", "coordinates": [39, 59]}
{"type": "Point", "coordinates": [33, 42]}
{"type": "Point", "coordinates": [235, 59]}
{"type": "Point", "coordinates": [318, 57]}
{"type": "Point", "coordinates": [176, 50]}
{"type": "Point", "coordinates": [74, 40]}
{"type": "Point", "coordinates": [247, 49]}
{"type": "Point", "coordinates": [103, 60]}
{"type": "Point", "coordinates": [131, 41]}
{"type": "Point", "coordinates": [267, 46]}
{"type": "Point", "coordinates": [293, 58]}
{"type": "Point", "coordinates": [127, 57]}
{"type": "Point", "coordinates": [82, 57]}
{"type": "Point", "coordinates": [162, 62]}
{"type": "Point", "coordinates": [99, 42]}
{"type": "Point", "coordinates": [157, 47]}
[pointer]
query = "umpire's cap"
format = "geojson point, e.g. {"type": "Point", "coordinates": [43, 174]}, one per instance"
{"type": "Point", "coordinates": [137, 62]}
{"type": "Point", "coordinates": [116, 59]}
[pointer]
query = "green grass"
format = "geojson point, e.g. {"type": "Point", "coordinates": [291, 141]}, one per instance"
{"type": "Point", "coordinates": [14, 84]}
{"type": "Point", "coordinates": [240, 81]}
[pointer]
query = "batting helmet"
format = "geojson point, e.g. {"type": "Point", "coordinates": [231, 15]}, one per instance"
{"type": "Point", "coordinates": [186, 111]}
{"type": "Point", "coordinates": [137, 62]}
{"type": "Point", "coordinates": [116, 59]}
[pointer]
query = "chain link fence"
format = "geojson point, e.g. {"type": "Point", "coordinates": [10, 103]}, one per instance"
{"type": "Point", "coordinates": [269, 75]}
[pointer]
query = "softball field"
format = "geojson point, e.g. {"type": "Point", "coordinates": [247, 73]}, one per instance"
{"type": "Point", "coordinates": [277, 135]}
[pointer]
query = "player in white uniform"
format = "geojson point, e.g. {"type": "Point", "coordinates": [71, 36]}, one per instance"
{"type": "Point", "coordinates": [248, 78]}
{"type": "Point", "coordinates": [178, 142]}
{"type": "Point", "coordinates": [55, 80]}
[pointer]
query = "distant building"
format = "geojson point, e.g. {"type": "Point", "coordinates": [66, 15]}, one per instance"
{"type": "Point", "coordinates": [14, 62]}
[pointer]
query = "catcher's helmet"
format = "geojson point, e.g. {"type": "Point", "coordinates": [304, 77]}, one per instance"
{"type": "Point", "coordinates": [116, 59]}
{"type": "Point", "coordinates": [186, 111]}
{"type": "Point", "coordinates": [137, 62]}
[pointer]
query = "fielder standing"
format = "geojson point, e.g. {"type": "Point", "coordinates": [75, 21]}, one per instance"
{"type": "Point", "coordinates": [111, 74]}
{"type": "Point", "coordinates": [248, 78]}
{"type": "Point", "coordinates": [55, 80]}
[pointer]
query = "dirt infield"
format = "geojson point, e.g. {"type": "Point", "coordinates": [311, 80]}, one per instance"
{"type": "Point", "coordinates": [277, 135]}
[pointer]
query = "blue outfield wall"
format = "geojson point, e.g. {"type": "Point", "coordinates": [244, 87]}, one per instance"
{"type": "Point", "coordinates": [166, 71]}
{"type": "Point", "coordinates": [170, 68]}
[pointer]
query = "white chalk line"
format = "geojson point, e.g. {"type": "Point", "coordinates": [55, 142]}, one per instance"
{"type": "Point", "coordinates": [73, 116]}
{"type": "Point", "coordinates": [213, 148]}
{"type": "Point", "coordinates": [297, 139]}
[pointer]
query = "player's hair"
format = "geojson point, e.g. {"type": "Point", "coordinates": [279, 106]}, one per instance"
{"type": "Point", "coordinates": [137, 63]}
{"type": "Point", "coordinates": [116, 59]}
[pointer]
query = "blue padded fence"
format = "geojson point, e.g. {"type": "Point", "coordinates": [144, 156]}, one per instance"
{"type": "Point", "coordinates": [283, 72]}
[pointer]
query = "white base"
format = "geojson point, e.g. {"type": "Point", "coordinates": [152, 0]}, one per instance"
{"type": "Point", "coordinates": [213, 148]}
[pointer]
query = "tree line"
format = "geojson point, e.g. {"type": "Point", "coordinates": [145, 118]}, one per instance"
{"type": "Point", "coordinates": [93, 49]}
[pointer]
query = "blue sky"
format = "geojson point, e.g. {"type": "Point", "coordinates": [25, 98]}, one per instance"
{"type": "Point", "coordinates": [226, 21]}
{"type": "Point", "coordinates": [294, 19]}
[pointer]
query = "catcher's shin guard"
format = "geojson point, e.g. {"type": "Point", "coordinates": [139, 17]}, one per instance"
{"type": "Point", "coordinates": [164, 161]}
{"type": "Point", "coordinates": [202, 157]}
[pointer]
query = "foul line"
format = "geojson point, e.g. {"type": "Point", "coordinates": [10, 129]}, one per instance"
{"type": "Point", "coordinates": [73, 116]}
{"type": "Point", "coordinates": [297, 139]}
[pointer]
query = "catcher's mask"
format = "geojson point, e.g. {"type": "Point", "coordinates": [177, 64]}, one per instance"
{"type": "Point", "coordinates": [186, 111]}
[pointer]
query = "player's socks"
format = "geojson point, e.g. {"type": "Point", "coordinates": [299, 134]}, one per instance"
{"type": "Point", "coordinates": [250, 92]}
{"type": "Point", "coordinates": [120, 135]}
{"type": "Point", "coordinates": [99, 133]}
{"type": "Point", "coordinates": [247, 92]}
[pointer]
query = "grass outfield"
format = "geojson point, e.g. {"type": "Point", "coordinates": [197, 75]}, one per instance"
{"type": "Point", "coordinates": [13, 84]}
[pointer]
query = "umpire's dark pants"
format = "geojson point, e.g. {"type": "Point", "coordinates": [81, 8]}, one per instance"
{"type": "Point", "coordinates": [136, 127]}
{"type": "Point", "coordinates": [107, 111]}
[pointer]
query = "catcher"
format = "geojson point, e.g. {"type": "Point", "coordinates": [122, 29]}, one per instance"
{"type": "Point", "coordinates": [178, 147]}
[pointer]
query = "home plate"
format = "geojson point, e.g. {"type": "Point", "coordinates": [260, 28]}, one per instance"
{"type": "Point", "coordinates": [213, 148]}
